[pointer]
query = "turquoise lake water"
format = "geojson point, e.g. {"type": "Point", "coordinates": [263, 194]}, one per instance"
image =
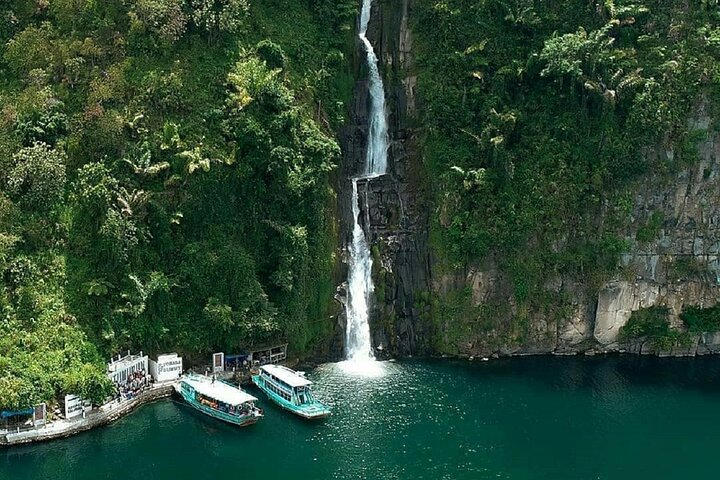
{"type": "Point", "coordinates": [524, 418]}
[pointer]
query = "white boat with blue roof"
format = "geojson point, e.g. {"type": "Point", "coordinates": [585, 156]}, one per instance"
{"type": "Point", "coordinates": [290, 390]}
{"type": "Point", "coordinates": [219, 399]}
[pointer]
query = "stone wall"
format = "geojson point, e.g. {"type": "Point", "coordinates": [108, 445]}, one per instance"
{"type": "Point", "coordinates": [680, 266]}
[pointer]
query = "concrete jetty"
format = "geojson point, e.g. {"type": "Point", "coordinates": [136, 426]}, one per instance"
{"type": "Point", "coordinates": [100, 416]}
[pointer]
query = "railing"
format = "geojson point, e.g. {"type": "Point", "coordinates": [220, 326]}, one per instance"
{"type": "Point", "coordinates": [281, 386]}
{"type": "Point", "coordinates": [17, 429]}
{"type": "Point", "coordinates": [277, 357]}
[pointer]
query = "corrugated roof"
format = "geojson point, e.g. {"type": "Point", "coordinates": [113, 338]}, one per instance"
{"type": "Point", "coordinates": [219, 390]}
{"type": "Point", "coordinates": [286, 375]}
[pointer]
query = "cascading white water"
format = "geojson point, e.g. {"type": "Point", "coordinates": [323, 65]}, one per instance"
{"type": "Point", "coordinates": [360, 284]}
{"type": "Point", "coordinates": [376, 157]}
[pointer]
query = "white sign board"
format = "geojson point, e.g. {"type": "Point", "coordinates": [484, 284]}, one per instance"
{"type": "Point", "coordinates": [74, 406]}
{"type": "Point", "coordinates": [166, 368]}
{"type": "Point", "coordinates": [218, 362]}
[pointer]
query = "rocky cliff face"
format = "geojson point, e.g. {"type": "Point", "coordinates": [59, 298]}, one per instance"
{"type": "Point", "coordinates": [675, 264]}
{"type": "Point", "coordinates": [680, 266]}
{"type": "Point", "coordinates": [392, 210]}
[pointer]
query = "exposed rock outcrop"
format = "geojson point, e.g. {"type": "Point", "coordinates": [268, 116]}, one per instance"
{"type": "Point", "coordinates": [674, 263]}
{"type": "Point", "coordinates": [678, 266]}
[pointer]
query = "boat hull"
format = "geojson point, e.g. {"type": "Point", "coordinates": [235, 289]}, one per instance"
{"type": "Point", "coordinates": [242, 421]}
{"type": "Point", "coordinates": [308, 412]}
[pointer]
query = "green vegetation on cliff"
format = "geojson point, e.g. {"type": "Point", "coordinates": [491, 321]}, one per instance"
{"type": "Point", "coordinates": [646, 322]}
{"type": "Point", "coordinates": [698, 319]}
{"type": "Point", "coordinates": [538, 118]}
{"type": "Point", "coordinates": [164, 180]}
{"type": "Point", "coordinates": [653, 324]}
{"type": "Point", "coordinates": [166, 165]}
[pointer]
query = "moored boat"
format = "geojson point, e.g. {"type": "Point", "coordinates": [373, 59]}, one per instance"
{"type": "Point", "coordinates": [219, 399]}
{"type": "Point", "coordinates": [290, 390]}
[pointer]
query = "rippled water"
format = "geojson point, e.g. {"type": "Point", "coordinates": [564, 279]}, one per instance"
{"type": "Point", "coordinates": [528, 418]}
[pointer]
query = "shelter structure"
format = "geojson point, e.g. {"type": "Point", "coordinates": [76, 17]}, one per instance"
{"type": "Point", "coordinates": [271, 354]}
{"type": "Point", "coordinates": [123, 367]}
{"type": "Point", "coordinates": [24, 418]}
{"type": "Point", "coordinates": [253, 357]}
{"type": "Point", "coordinates": [237, 361]}
{"type": "Point", "coordinates": [12, 419]}
{"type": "Point", "coordinates": [256, 356]}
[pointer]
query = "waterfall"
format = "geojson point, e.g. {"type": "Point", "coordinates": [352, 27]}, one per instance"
{"type": "Point", "coordinates": [376, 157]}
{"type": "Point", "coordinates": [357, 344]}
{"type": "Point", "coordinates": [360, 285]}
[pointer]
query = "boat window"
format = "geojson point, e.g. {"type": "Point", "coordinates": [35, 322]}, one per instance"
{"type": "Point", "coordinates": [281, 388]}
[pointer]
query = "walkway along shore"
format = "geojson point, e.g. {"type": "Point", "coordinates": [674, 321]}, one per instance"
{"type": "Point", "coordinates": [101, 416]}
{"type": "Point", "coordinates": [109, 412]}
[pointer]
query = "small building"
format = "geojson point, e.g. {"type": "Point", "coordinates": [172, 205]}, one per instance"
{"type": "Point", "coordinates": [271, 354]}
{"type": "Point", "coordinates": [237, 361]}
{"type": "Point", "coordinates": [12, 419]}
{"type": "Point", "coordinates": [166, 368]}
{"type": "Point", "coordinates": [246, 359]}
{"type": "Point", "coordinates": [122, 368]}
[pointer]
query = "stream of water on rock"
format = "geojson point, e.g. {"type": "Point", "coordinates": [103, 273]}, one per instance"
{"type": "Point", "coordinates": [358, 348]}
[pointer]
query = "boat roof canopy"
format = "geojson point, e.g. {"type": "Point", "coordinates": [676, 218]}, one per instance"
{"type": "Point", "coordinates": [286, 375]}
{"type": "Point", "coordinates": [219, 391]}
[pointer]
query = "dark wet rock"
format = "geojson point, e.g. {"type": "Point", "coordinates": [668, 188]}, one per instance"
{"type": "Point", "coordinates": [392, 210]}
{"type": "Point", "coordinates": [680, 267]}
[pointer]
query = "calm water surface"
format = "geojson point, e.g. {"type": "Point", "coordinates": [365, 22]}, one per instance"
{"type": "Point", "coordinates": [525, 418]}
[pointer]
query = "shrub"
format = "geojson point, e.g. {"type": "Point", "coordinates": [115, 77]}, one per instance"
{"type": "Point", "coordinates": [272, 53]}
{"type": "Point", "coordinates": [649, 322]}
{"type": "Point", "coordinates": [37, 179]}
{"type": "Point", "coordinates": [649, 231]}
{"type": "Point", "coordinates": [699, 319]}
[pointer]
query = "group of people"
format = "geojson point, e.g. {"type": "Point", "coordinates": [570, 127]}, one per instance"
{"type": "Point", "coordinates": [135, 383]}
{"type": "Point", "coordinates": [238, 366]}
{"type": "Point", "coordinates": [244, 366]}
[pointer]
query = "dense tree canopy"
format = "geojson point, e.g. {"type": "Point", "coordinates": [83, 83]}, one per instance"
{"type": "Point", "coordinates": [164, 181]}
